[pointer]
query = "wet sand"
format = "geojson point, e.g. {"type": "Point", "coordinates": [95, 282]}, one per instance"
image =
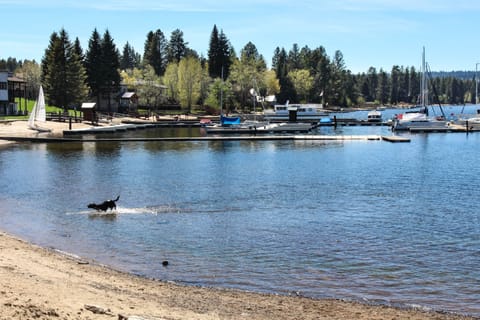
{"type": "Point", "coordinates": [40, 283]}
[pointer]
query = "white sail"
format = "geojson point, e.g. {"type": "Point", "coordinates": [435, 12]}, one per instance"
{"type": "Point", "coordinates": [38, 113]}
{"type": "Point", "coordinates": [41, 112]}
{"type": "Point", "coordinates": [31, 118]}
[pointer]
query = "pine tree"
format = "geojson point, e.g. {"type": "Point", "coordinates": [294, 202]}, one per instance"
{"type": "Point", "coordinates": [383, 87]}
{"type": "Point", "coordinates": [177, 47]}
{"type": "Point", "coordinates": [103, 63]}
{"type": "Point", "coordinates": [394, 85]}
{"type": "Point", "coordinates": [155, 51]}
{"type": "Point", "coordinates": [249, 52]}
{"type": "Point", "coordinates": [294, 58]}
{"type": "Point", "coordinates": [93, 63]}
{"type": "Point", "coordinates": [129, 59]}
{"type": "Point", "coordinates": [279, 64]}
{"type": "Point", "coordinates": [225, 54]}
{"type": "Point", "coordinates": [372, 80]}
{"type": "Point", "coordinates": [77, 79]}
{"type": "Point", "coordinates": [213, 55]}
{"type": "Point", "coordinates": [110, 67]}
{"type": "Point", "coordinates": [219, 54]}
{"type": "Point", "coordinates": [63, 73]}
{"type": "Point", "coordinates": [77, 48]}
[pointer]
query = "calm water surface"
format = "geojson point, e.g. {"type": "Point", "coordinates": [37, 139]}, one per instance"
{"type": "Point", "coordinates": [385, 223]}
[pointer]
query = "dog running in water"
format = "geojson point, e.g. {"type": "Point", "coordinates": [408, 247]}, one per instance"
{"type": "Point", "coordinates": [109, 204]}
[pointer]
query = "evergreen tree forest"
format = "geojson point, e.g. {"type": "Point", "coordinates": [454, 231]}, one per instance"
{"type": "Point", "coordinates": [170, 72]}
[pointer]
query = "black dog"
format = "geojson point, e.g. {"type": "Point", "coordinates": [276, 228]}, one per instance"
{"type": "Point", "coordinates": [109, 204]}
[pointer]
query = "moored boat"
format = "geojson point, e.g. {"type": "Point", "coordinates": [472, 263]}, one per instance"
{"type": "Point", "coordinates": [415, 120]}
{"type": "Point", "coordinates": [374, 116]}
{"type": "Point", "coordinates": [296, 112]}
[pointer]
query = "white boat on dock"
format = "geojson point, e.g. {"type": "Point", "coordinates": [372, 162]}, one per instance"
{"type": "Point", "coordinates": [420, 120]}
{"type": "Point", "coordinates": [296, 112]}
{"type": "Point", "coordinates": [374, 116]}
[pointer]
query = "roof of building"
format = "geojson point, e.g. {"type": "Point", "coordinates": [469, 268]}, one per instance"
{"type": "Point", "coordinates": [88, 105]}
{"type": "Point", "coordinates": [15, 79]}
{"type": "Point", "coordinates": [128, 95]}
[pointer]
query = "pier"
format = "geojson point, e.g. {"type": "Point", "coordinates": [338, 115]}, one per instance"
{"type": "Point", "coordinates": [284, 127]}
{"type": "Point", "coordinates": [216, 138]}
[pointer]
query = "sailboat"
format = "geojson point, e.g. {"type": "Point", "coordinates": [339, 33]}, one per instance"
{"type": "Point", "coordinates": [38, 113]}
{"type": "Point", "coordinates": [419, 120]}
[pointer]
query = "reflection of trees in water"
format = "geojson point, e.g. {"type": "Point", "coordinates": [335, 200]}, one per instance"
{"type": "Point", "coordinates": [73, 149]}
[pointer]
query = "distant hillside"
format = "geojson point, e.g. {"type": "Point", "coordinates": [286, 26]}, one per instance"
{"type": "Point", "coordinates": [464, 75]}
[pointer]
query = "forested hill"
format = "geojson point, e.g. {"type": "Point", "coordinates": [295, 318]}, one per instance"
{"type": "Point", "coordinates": [463, 75]}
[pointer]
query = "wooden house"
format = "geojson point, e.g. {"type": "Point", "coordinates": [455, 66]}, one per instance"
{"type": "Point", "coordinates": [128, 103]}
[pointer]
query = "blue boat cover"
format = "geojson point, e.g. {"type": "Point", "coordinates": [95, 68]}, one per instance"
{"type": "Point", "coordinates": [229, 120]}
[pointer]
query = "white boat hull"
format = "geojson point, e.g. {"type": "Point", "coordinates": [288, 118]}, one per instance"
{"type": "Point", "coordinates": [431, 124]}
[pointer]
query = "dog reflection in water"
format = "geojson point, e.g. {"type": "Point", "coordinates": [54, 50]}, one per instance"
{"type": "Point", "coordinates": [105, 205]}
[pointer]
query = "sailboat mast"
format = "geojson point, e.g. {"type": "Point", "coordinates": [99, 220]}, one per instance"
{"type": "Point", "coordinates": [423, 86]}
{"type": "Point", "coordinates": [221, 95]}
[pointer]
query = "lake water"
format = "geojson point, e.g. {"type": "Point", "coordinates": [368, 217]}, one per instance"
{"type": "Point", "coordinates": [395, 224]}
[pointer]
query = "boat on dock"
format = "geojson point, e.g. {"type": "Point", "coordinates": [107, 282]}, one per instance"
{"type": "Point", "coordinates": [296, 112]}
{"type": "Point", "coordinates": [374, 116]}
{"type": "Point", "coordinates": [420, 119]}
{"type": "Point", "coordinates": [467, 123]}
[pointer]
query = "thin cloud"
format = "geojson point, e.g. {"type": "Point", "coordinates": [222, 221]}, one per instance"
{"type": "Point", "coordinates": [154, 5]}
{"type": "Point", "coordinates": [432, 6]}
{"type": "Point", "coordinates": [438, 6]}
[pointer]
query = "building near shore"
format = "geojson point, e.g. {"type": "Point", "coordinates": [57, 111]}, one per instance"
{"type": "Point", "coordinates": [3, 91]}
{"type": "Point", "coordinates": [12, 87]}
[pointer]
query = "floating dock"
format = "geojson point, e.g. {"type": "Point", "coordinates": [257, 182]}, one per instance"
{"type": "Point", "coordinates": [109, 129]}
{"type": "Point", "coordinates": [285, 127]}
{"type": "Point", "coordinates": [216, 138]}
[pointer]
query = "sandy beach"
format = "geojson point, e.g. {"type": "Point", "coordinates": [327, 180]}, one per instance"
{"type": "Point", "coordinates": [39, 283]}
{"type": "Point", "coordinates": [42, 283]}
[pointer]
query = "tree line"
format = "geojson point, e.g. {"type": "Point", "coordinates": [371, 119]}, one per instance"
{"type": "Point", "coordinates": [223, 79]}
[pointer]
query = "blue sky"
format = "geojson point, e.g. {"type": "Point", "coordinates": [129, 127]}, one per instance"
{"type": "Point", "coordinates": [378, 33]}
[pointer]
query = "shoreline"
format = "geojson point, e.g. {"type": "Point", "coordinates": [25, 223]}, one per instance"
{"type": "Point", "coordinates": [45, 283]}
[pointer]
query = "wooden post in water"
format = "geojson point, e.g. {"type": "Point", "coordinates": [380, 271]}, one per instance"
{"type": "Point", "coordinates": [70, 123]}
{"type": "Point", "coordinates": [466, 124]}
{"type": "Point", "coordinates": [335, 122]}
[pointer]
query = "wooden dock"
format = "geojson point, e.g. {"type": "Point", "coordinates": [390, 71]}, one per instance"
{"type": "Point", "coordinates": [289, 127]}
{"type": "Point", "coordinates": [215, 138]}
{"type": "Point", "coordinates": [345, 122]}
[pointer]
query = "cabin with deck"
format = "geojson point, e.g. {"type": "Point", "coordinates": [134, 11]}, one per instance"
{"type": "Point", "coordinates": [12, 87]}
